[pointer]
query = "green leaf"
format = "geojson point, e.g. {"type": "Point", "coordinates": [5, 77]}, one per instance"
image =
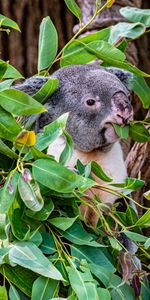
{"type": "Point", "coordinates": [48, 244]}
{"type": "Point", "coordinates": [48, 44]}
{"type": "Point", "coordinates": [3, 68]}
{"type": "Point", "coordinates": [3, 293]}
{"type": "Point", "coordinates": [135, 14]}
{"type": "Point", "coordinates": [114, 243]}
{"type": "Point", "coordinates": [20, 277]}
{"type": "Point", "coordinates": [44, 213]}
{"type": "Point", "coordinates": [147, 244]}
{"type": "Point", "coordinates": [62, 223]}
{"type": "Point", "coordinates": [135, 236]}
{"type": "Point", "coordinates": [8, 192]}
{"type": "Point", "coordinates": [36, 237]}
{"type": "Point", "coordinates": [103, 294]}
{"type": "Point", "coordinates": [78, 235]}
{"type": "Point", "coordinates": [78, 284]}
{"type": "Point", "coordinates": [30, 194]}
{"type": "Point", "coordinates": [51, 133]}
{"type": "Point", "coordinates": [13, 294]}
{"type": "Point", "coordinates": [47, 90]}
{"type": "Point", "coordinates": [144, 219]}
{"type": "Point", "coordinates": [28, 255]}
{"type": "Point", "coordinates": [131, 216]}
{"type": "Point", "coordinates": [44, 288]}
{"type": "Point", "coordinates": [16, 213]}
{"type": "Point", "coordinates": [122, 132]}
{"type": "Point", "coordinates": [19, 103]}
{"type": "Point", "coordinates": [74, 8]}
{"type": "Point", "coordinates": [7, 151]}
{"type": "Point", "coordinates": [92, 255]}
{"type": "Point", "coordinates": [103, 274]}
{"type": "Point", "coordinates": [127, 30]}
{"type": "Point", "coordinates": [6, 84]}
{"type": "Point", "coordinates": [84, 53]}
{"type": "Point", "coordinates": [139, 133]}
{"type": "Point", "coordinates": [58, 178]}
{"type": "Point", "coordinates": [99, 172]}
{"type": "Point", "coordinates": [11, 72]}
{"type": "Point", "coordinates": [147, 195]}
{"type": "Point", "coordinates": [3, 227]}
{"type": "Point", "coordinates": [68, 150]}
{"type": "Point", "coordinates": [6, 22]}
{"type": "Point", "coordinates": [139, 86]}
{"type": "Point", "coordinates": [9, 128]}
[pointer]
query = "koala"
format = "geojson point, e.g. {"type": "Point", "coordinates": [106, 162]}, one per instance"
{"type": "Point", "coordinates": [95, 98]}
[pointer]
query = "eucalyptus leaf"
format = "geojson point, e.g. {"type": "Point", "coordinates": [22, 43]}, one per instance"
{"type": "Point", "coordinates": [46, 90]}
{"type": "Point", "coordinates": [13, 294]}
{"type": "Point", "coordinates": [139, 133]}
{"type": "Point", "coordinates": [6, 84]}
{"type": "Point", "coordinates": [30, 194]}
{"type": "Point", "coordinates": [10, 72]}
{"type": "Point", "coordinates": [44, 288]}
{"type": "Point", "coordinates": [92, 255]}
{"type": "Point", "coordinates": [140, 88]}
{"type": "Point", "coordinates": [9, 128]}
{"type": "Point", "coordinates": [28, 255]}
{"type": "Point", "coordinates": [22, 278]}
{"type": "Point", "coordinates": [48, 244]}
{"type": "Point", "coordinates": [74, 8]}
{"type": "Point", "coordinates": [127, 30]}
{"type": "Point", "coordinates": [51, 133]}
{"type": "Point", "coordinates": [16, 213]}
{"type": "Point", "coordinates": [144, 219]}
{"type": "Point", "coordinates": [44, 213]}
{"type": "Point", "coordinates": [122, 132]}
{"type": "Point", "coordinates": [48, 44]}
{"type": "Point", "coordinates": [7, 151]}
{"type": "Point", "coordinates": [58, 178]}
{"type": "Point", "coordinates": [19, 103]}
{"type": "Point", "coordinates": [6, 22]}
{"type": "Point", "coordinates": [78, 235]}
{"type": "Point", "coordinates": [99, 172]}
{"type": "Point", "coordinates": [147, 243]}
{"type": "Point", "coordinates": [3, 293]}
{"type": "Point", "coordinates": [104, 294]}
{"type": "Point", "coordinates": [134, 14]}
{"type": "Point", "coordinates": [68, 150]}
{"type": "Point", "coordinates": [135, 236]}
{"type": "Point", "coordinates": [62, 223]}
{"type": "Point", "coordinates": [8, 192]}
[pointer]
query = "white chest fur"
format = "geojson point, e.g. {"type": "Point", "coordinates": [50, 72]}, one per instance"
{"type": "Point", "coordinates": [112, 162]}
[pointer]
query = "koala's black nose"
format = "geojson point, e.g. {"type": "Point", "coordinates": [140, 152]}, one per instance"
{"type": "Point", "coordinates": [122, 111]}
{"type": "Point", "coordinates": [123, 117]}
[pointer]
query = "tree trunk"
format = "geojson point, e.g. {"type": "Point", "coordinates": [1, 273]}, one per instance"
{"type": "Point", "coordinates": [21, 48]}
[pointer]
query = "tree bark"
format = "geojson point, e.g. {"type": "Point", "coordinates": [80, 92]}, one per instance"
{"type": "Point", "coordinates": [21, 48]}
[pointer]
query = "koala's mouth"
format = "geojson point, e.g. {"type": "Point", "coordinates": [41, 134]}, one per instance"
{"type": "Point", "coordinates": [108, 137]}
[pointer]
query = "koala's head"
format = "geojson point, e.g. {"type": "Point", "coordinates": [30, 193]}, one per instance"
{"type": "Point", "coordinates": [95, 98]}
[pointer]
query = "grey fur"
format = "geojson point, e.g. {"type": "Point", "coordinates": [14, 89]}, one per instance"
{"type": "Point", "coordinates": [76, 84]}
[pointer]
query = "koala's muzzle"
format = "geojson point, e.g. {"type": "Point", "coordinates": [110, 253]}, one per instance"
{"type": "Point", "coordinates": [122, 111]}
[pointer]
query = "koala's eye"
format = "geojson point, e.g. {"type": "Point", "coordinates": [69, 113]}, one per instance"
{"type": "Point", "coordinates": [90, 102]}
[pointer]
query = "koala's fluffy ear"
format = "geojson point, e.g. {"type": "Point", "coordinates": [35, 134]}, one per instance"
{"type": "Point", "coordinates": [124, 76]}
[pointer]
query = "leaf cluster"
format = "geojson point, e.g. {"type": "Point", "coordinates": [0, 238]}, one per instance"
{"type": "Point", "coordinates": [47, 251]}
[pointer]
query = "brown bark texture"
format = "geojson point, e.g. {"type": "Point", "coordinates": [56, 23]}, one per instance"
{"type": "Point", "coordinates": [21, 48]}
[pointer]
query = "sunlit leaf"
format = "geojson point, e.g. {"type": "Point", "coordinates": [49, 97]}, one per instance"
{"type": "Point", "coordinates": [27, 255]}
{"type": "Point", "coordinates": [74, 8]}
{"type": "Point", "coordinates": [6, 22]}
{"type": "Point", "coordinates": [44, 288]}
{"type": "Point", "coordinates": [48, 44]}
{"type": "Point", "coordinates": [135, 14]}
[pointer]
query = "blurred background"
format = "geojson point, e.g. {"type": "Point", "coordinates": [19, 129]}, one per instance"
{"type": "Point", "coordinates": [21, 48]}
